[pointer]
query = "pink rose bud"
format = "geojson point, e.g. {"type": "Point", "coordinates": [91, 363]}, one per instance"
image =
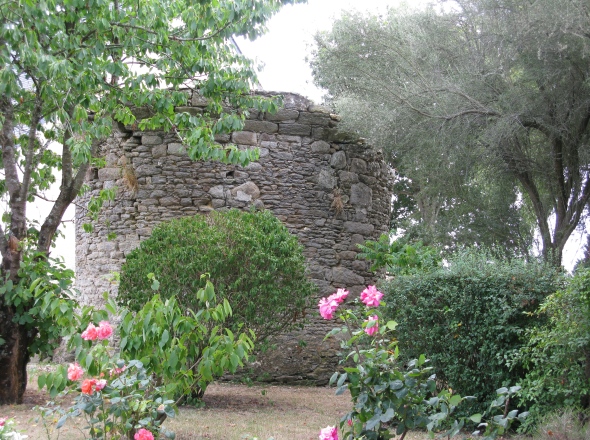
{"type": "Point", "coordinates": [374, 329]}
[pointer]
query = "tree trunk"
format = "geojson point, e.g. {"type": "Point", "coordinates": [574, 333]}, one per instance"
{"type": "Point", "coordinates": [14, 356]}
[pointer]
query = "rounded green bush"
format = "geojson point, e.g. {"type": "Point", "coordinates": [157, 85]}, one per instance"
{"type": "Point", "coordinates": [250, 257]}
{"type": "Point", "coordinates": [468, 318]}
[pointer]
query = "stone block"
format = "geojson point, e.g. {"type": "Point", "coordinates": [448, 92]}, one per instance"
{"type": "Point", "coordinates": [294, 129]}
{"type": "Point", "coordinates": [222, 138]}
{"type": "Point", "coordinates": [358, 166]}
{"type": "Point", "coordinates": [319, 109]}
{"type": "Point", "coordinates": [359, 228]}
{"type": "Point", "coordinates": [169, 201]}
{"type": "Point", "coordinates": [368, 180]}
{"type": "Point", "coordinates": [327, 180]}
{"type": "Point", "coordinates": [338, 160]}
{"type": "Point", "coordinates": [356, 239]}
{"type": "Point", "coordinates": [314, 119]}
{"type": "Point", "coordinates": [244, 138]}
{"type": "Point", "coordinates": [347, 178]}
{"type": "Point", "coordinates": [261, 126]}
{"type": "Point", "coordinates": [109, 174]}
{"type": "Point", "coordinates": [345, 277]}
{"type": "Point", "coordinates": [199, 100]}
{"type": "Point", "coordinates": [320, 147]}
{"type": "Point", "coordinates": [176, 149]}
{"type": "Point", "coordinates": [282, 115]}
{"type": "Point", "coordinates": [193, 111]}
{"type": "Point", "coordinates": [149, 139]}
{"type": "Point", "coordinates": [159, 151]}
{"type": "Point", "coordinates": [217, 203]}
{"type": "Point", "coordinates": [253, 166]}
{"type": "Point", "coordinates": [246, 192]}
{"type": "Point", "coordinates": [361, 195]}
{"type": "Point", "coordinates": [217, 192]}
{"type": "Point", "coordinates": [146, 170]}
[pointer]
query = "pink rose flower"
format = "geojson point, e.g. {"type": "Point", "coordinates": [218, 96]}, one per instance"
{"type": "Point", "coordinates": [75, 371]}
{"type": "Point", "coordinates": [329, 433]}
{"type": "Point", "coordinates": [339, 296]}
{"type": "Point", "coordinates": [2, 422]}
{"type": "Point", "coordinates": [371, 296]}
{"type": "Point", "coordinates": [100, 384]}
{"type": "Point", "coordinates": [327, 307]}
{"type": "Point", "coordinates": [372, 330]}
{"type": "Point", "coordinates": [104, 330]}
{"type": "Point", "coordinates": [143, 434]}
{"type": "Point", "coordinates": [90, 334]}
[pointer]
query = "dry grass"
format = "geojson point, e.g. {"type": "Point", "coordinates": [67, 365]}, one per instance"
{"type": "Point", "coordinates": [231, 412]}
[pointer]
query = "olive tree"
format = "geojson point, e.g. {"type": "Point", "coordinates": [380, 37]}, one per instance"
{"type": "Point", "coordinates": [470, 85]}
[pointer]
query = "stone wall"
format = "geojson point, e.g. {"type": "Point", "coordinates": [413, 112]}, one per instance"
{"type": "Point", "coordinates": [331, 190]}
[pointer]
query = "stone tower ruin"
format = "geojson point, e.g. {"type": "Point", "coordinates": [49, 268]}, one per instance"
{"type": "Point", "coordinates": [330, 189]}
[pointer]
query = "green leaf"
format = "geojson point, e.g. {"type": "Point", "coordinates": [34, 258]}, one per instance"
{"type": "Point", "coordinates": [164, 338]}
{"type": "Point", "coordinates": [61, 421]}
{"type": "Point", "coordinates": [476, 418]}
{"type": "Point", "coordinates": [455, 400]}
{"type": "Point", "coordinates": [341, 390]}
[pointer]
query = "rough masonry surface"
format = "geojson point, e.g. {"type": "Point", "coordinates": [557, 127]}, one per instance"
{"type": "Point", "coordinates": [329, 188]}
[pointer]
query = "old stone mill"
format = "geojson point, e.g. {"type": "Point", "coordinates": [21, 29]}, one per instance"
{"type": "Point", "coordinates": [329, 188]}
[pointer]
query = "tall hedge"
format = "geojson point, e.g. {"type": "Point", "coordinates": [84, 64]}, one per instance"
{"type": "Point", "coordinates": [467, 317]}
{"type": "Point", "coordinates": [251, 258]}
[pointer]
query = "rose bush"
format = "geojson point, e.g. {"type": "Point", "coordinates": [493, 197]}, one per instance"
{"type": "Point", "coordinates": [387, 394]}
{"type": "Point", "coordinates": [165, 353]}
{"type": "Point", "coordinates": [117, 398]}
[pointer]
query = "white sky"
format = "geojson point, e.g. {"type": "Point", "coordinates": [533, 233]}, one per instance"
{"type": "Point", "coordinates": [284, 48]}
{"type": "Point", "coordinates": [283, 51]}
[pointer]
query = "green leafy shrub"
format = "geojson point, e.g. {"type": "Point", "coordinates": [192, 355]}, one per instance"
{"type": "Point", "coordinates": [251, 258]}
{"type": "Point", "coordinates": [468, 317]}
{"type": "Point", "coordinates": [184, 350]}
{"type": "Point", "coordinates": [43, 300]}
{"type": "Point", "coordinates": [557, 355]}
{"type": "Point", "coordinates": [178, 351]}
{"type": "Point", "coordinates": [399, 257]}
